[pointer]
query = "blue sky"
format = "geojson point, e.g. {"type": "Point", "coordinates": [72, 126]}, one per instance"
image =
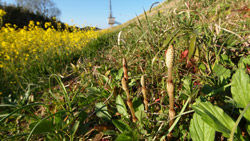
{"type": "Point", "coordinates": [95, 12]}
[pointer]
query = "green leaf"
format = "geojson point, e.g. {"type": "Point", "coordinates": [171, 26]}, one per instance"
{"type": "Point", "coordinates": [102, 111]}
{"type": "Point", "coordinates": [247, 115]}
{"type": "Point", "coordinates": [132, 83]}
{"type": "Point", "coordinates": [240, 88]}
{"type": "Point", "coordinates": [128, 136]}
{"type": "Point", "coordinates": [44, 127]}
{"type": "Point", "coordinates": [121, 125]}
{"type": "Point", "coordinates": [215, 117]}
{"type": "Point", "coordinates": [187, 86]}
{"type": "Point", "coordinates": [192, 44]}
{"type": "Point", "coordinates": [74, 128]}
{"type": "Point", "coordinates": [42, 120]}
{"type": "Point", "coordinates": [110, 133]}
{"type": "Point", "coordinates": [244, 61]}
{"type": "Point", "coordinates": [207, 89]}
{"type": "Point", "coordinates": [23, 107]}
{"type": "Point", "coordinates": [138, 105]}
{"type": "Point", "coordinates": [199, 130]}
{"type": "Point", "coordinates": [202, 67]}
{"type": "Point", "coordinates": [221, 71]}
{"type": "Point", "coordinates": [170, 38]}
{"type": "Point", "coordinates": [120, 74]}
{"type": "Point", "coordinates": [140, 115]}
{"type": "Point", "coordinates": [121, 107]}
{"type": "Point", "coordinates": [225, 60]}
{"type": "Point", "coordinates": [93, 91]}
{"type": "Point", "coordinates": [248, 128]}
{"type": "Point", "coordinates": [139, 109]}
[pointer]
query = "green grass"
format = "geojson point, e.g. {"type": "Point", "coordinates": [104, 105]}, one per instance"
{"type": "Point", "coordinates": [90, 102]}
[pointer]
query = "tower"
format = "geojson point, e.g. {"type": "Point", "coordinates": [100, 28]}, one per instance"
{"type": "Point", "coordinates": [111, 19]}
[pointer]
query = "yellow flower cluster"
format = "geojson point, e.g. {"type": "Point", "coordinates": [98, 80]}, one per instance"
{"type": "Point", "coordinates": [20, 47]}
{"type": "Point", "coordinates": [2, 13]}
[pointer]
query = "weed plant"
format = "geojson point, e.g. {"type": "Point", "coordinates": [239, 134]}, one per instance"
{"type": "Point", "coordinates": [210, 76]}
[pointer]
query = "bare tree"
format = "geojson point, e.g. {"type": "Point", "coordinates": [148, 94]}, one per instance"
{"type": "Point", "coordinates": [45, 7]}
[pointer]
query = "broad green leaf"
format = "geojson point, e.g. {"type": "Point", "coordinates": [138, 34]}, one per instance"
{"type": "Point", "coordinates": [139, 109]}
{"type": "Point", "coordinates": [215, 117]}
{"type": "Point", "coordinates": [43, 127]}
{"type": "Point", "coordinates": [140, 115]}
{"type": "Point", "coordinates": [128, 136]}
{"type": "Point", "coordinates": [121, 125]}
{"type": "Point", "coordinates": [240, 88]}
{"type": "Point", "coordinates": [121, 107]}
{"type": "Point", "coordinates": [192, 44]}
{"type": "Point", "coordinates": [199, 130]}
{"type": "Point", "coordinates": [221, 71]}
{"type": "Point", "coordinates": [138, 105]}
{"type": "Point", "coordinates": [102, 111]}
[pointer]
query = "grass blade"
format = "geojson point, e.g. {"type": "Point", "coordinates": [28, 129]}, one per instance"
{"type": "Point", "coordinates": [33, 129]}
{"type": "Point", "coordinates": [192, 45]}
{"type": "Point", "coordinates": [26, 106]}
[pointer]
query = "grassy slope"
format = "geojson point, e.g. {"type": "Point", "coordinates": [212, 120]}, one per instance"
{"type": "Point", "coordinates": [221, 28]}
{"type": "Point", "coordinates": [153, 11]}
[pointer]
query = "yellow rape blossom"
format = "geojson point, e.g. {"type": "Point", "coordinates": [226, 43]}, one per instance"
{"type": "Point", "coordinates": [33, 44]}
{"type": "Point", "coordinates": [2, 13]}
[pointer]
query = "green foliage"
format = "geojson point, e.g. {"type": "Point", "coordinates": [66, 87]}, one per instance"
{"type": "Point", "coordinates": [128, 136]}
{"type": "Point", "coordinates": [192, 47]}
{"type": "Point", "coordinates": [121, 125]}
{"type": "Point", "coordinates": [240, 90]}
{"type": "Point", "coordinates": [215, 117]}
{"type": "Point", "coordinates": [102, 111]}
{"type": "Point", "coordinates": [139, 110]}
{"type": "Point", "coordinates": [200, 130]}
{"type": "Point", "coordinates": [88, 102]}
{"type": "Point", "coordinates": [222, 72]}
{"type": "Point", "coordinates": [44, 127]}
{"type": "Point", "coordinates": [121, 107]}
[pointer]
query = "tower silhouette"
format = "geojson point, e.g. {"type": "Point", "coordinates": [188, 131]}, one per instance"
{"type": "Point", "coordinates": [111, 19]}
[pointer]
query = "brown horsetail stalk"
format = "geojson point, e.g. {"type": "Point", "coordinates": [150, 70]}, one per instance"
{"type": "Point", "coordinates": [125, 88]}
{"type": "Point", "coordinates": [170, 86]}
{"type": "Point", "coordinates": [144, 93]}
{"type": "Point", "coordinates": [125, 70]}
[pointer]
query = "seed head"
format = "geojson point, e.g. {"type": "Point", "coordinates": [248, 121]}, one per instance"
{"type": "Point", "coordinates": [170, 57]}
{"type": "Point", "coordinates": [124, 84]}
{"type": "Point", "coordinates": [142, 81]}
